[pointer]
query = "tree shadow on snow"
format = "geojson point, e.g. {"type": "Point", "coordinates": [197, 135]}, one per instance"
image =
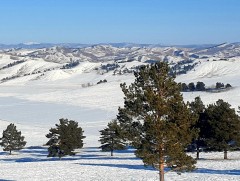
{"type": "Point", "coordinates": [3, 153]}
{"type": "Point", "coordinates": [97, 150]}
{"type": "Point", "coordinates": [105, 157]}
{"type": "Point", "coordinates": [27, 159]}
{"type": "Point", "coordinates": [39, 154]}
{"type": "Point", "coordinates": [35, 150]}
{"type": "Point", "coordinates": [91, 149]}
{"type": "Point", "coordinates": [33, 159]}
{"type": "Point", "coordinates": [211, 171]}
{"type": "Point", "coordinates": [134, 167]}
{"type": "Point", "coordinates": [33, 154]}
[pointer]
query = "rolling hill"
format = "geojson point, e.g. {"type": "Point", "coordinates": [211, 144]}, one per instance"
{"type": "Point", "coordinates": [40, 85]}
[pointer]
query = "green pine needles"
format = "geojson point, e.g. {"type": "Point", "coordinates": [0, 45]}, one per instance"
{"type": "Point", "coordinates": [12, 139]}
{"type": "Point", "coordinates": [65, 138]}
{"type": "Point", "coordinates": [112, 137]}
{"type": "Point", "coordinates": [224, 125]}
{"type": "Point", "coordinates": [161, 123]}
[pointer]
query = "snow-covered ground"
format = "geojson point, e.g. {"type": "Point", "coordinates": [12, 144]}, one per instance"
{"type": "Point", "coordinates": [210, 73]}
{"type": "Point", "coordinates": [35, 104]}
{"type": "Point", "coordinates": [92, 164]}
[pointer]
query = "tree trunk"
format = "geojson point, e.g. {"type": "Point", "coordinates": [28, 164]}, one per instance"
{"type": "Point", "coordinates": [10, 152]}
{"type": "Point", "coordinates": [161, 171]}
{"type": "Point", "coordinates": [198, 153]}
{"type": "Point", "coordinates": [225, 154]}
{"type": "Point", "coordinates": [161, 162]}
{"type": "Point", "coordinates": [112, 147]}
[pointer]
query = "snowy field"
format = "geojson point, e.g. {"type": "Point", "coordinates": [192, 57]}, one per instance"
{"type": "Point", "coordinates": [36, 106]}
{"type": "Point", "coordinates": [92, 164]}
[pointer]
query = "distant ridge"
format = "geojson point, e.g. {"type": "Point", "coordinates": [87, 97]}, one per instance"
{"type": "Point", "coordinates": [33, 45]}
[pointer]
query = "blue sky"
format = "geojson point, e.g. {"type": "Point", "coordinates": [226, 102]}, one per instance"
{"type": "Point", "coordinates": [105, 21]}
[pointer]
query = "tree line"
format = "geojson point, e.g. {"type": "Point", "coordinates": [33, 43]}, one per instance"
{"type": "Point", "coordinates": [200, 86]}
{"type": "Point", "coordinates": [157, 123]}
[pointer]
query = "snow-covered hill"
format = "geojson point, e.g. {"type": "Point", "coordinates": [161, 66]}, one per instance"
{"type": "Point", "coordinates": [225, 50]}
{"type": "Point", "coordinates": [67, 76]}
{"type": "Point", "coordinates": [70, 76]}
{"type": "Point", "coordinates": [24, 65]}
{"type": "Point", "coordinates": [39, 86]}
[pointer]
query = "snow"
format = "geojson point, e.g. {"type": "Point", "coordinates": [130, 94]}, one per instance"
{"type": "Point", "coordinates": [210, 73]}
{"type": "Point", "coordinates": [31, 43]}
{"type": "Point", "coordinates": [92, 164]}
{"type": "Point", "coordinates": [36, 102]}
{"type": "Point", "coordinates": [216, 69]}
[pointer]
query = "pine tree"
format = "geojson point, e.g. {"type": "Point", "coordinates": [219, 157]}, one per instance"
{"type": "Point", "coordinates": [12, 139]}
{"type": "Point", "coordinates": [219, 85]}
{"type": "Point", "coordinates": [163, 121]}
{"type": "Point", "coordinates": [198, 108]}
{"type": "Point", "coordinates": [200, 86]}
{"type": "Point", "coordinates": [63, 139]}
{"type": "Point", "coordinates": [112, 138]}
{"type": "Point", "coordinates": [228, 86]}
{"type": "Point", "coordinates": [183, 87]}
{"type": "Point", "coordinates": [191, 86]}
{"type": "Point", "coordinates": [224, 126]}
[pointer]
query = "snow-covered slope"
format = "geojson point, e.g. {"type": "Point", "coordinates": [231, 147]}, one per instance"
{"type": "Point", "coordinates": [211, 72]}
{"type": "Point", "coordinates": [33, 76]}
{"type": "Point", "coordinates": [59, 76]}
{"type": "Point", "coordinates": [39, 86]}
{"type": "Point", "coordinates": [225, 50]}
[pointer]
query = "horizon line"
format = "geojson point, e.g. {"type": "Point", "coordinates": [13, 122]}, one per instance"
{"type": "Point", "coordinates": [102, 43]}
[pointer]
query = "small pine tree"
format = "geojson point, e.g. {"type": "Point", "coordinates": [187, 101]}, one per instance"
{"type": "Point", "coordinates": [219, 85]}
{"type": "Point", "coordinates": [183, 87]}
{"type": "Point", "coordinates": [198, 108]}
{"type": "Point", "coordinates": [228, 86]}
{"type": "Point", "coordinates": [63, 139]}
{"type": "Point", "coordinates": [200, 86]}
{"type": "Point", "coordinates": [224, 126]}
{"type": "Point", "coordinates": [12, 139]}
{"type": "Point", "coordinates": [191, 86]}
{"type": "Point", "coordinates": [112, 138]}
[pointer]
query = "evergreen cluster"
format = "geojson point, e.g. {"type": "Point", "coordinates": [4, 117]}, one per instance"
{"type": "Point", "coordinates": [12, 64]}
{"type": "Point", "coordinates": [182, 67]}
{"type": "Point", "coordinates": [218, 125]}
{"type": "Point", "coordinates": [70, 65]}
{"type": "Point", "coordinates": [102, 81]}
{"type": "Point", "coordinates": [200, 86]}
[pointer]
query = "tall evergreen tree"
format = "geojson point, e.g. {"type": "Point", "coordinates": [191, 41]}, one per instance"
{"type": "Point", "coordinates": [198, 108]}
{"type": "Point", "coordinates": [112, 138]}
{"type": "Point", "coordinates": [63, 139]}
{"type": "Point", "coordinates": [12, 139]}
{"type": "Point", "coordinates": [162, 119]}
{"type": "Point", "coordinates": [224, 126]}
